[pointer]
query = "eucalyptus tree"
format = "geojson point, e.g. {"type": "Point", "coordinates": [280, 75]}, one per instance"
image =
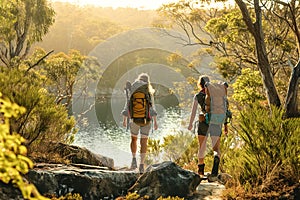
{"type": "Point", "coordinates": [60, 73]}
{"type": "Point", "coordinates": [288, 12]}
{"type": "Point", "coordinates": [23, 22]}
{"type": "Point", "coordinates": [254, 34]}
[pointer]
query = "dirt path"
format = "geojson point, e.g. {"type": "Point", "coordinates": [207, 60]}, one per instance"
{"type": "Point", "coordinates": [208, 191]}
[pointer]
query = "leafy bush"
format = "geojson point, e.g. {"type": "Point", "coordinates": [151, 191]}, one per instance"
{"type": "Point", "coordinates": [248, 87]}
{"type": "Point", "coordinates": [180, 148]}
{"type": "Point", "coordinates": [13, 160]}
{"type": "Point", "coordinates": [44, 121]}
{"type": "Point", "coordinates": [268, 154]}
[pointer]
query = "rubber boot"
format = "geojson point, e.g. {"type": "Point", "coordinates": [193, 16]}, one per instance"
{"type": "Point", "coordinates": [201, 170]}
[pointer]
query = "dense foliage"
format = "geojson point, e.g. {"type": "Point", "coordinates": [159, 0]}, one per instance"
{"type": "Point", "coordinates": [44, 121]}
{"type": "Point", "coordinates": [248, 88]}
{"type": "Point", "coordinates": [13, 160]}
{"type": "Point", "coordinates": [258, 35]}
{"type": "Point", "coordinates": [23, 22]}
{"type": "Point", "coordinates": [266, 156]}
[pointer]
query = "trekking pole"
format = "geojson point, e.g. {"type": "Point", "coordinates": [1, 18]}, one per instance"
{"type": "Point", "coordinates": [152, 124]}
{"type": "Point", "coordinates": [153, 105]}
{"type": "Point", "coordinates": [127, 91]}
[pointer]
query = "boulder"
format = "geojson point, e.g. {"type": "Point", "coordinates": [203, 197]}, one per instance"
{"type": "Point", "coordinates": [166, 179]}
{"type": "Point", "coordinates": [91, 182]}
{"type": "Point", "coordinates": [81, 155]}
{"type": "Point", "coordinates": [9, 192]}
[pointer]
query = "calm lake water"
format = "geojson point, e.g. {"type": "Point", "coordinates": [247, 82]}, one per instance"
{"type": "Point", "coordinates": [109, 138]}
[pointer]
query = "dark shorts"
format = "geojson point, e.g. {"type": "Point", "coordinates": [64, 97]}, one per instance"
{"type": "Point", "coordinates": [212, 129]}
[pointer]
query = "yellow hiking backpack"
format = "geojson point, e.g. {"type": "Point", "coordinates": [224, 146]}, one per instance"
{"type": "Point", "coordinates": [139, 103]}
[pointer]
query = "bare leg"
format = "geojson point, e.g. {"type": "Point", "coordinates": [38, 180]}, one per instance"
{"type": "Point", "coordinates": [143, 142]}
{"type": "Point", "coordinates": [215, 140]}
{"type": "Point", "coordinates": [217, 153]}
{"type": "Point", "coordinates": [202, 147]}
{"type": "Point", "coordinates": [133, 145]}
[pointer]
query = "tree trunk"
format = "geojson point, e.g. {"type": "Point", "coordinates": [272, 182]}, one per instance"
{"type": "Point", "coordinates": [263, 63]}
{"type": "Point", "coordinates": [265, 70]}
{"type": "Point", "coordinates": [291, 105]}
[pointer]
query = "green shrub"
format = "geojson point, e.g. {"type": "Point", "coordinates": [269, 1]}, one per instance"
{"type": "Point", "coordinates": [44, 121]}
{"type": "Point", "coordinates": [268, 153]}
{"type": "Point", "coordinates": [180, 148]}
{"type": "Point", "coordinates": [248, 87]}
{"type": "Point", "coordinates": [13, 160]}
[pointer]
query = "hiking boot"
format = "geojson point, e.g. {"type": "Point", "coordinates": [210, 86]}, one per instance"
{"type": "Point", "coordinates": [141, 168]}
{"type": "Point", "coordinates": [133, 164]}
{"type": "Point", "coordinates": [201, 170]}
{"type": "Point", "coordinates": [215, 169]}
{"type": "Point", "coordinates": [212, 178]}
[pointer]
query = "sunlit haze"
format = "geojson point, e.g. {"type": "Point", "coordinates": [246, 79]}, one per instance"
{"type": "Point", "coordinates": [140, 4]}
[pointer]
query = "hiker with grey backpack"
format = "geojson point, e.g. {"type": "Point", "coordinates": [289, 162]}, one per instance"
{"type": "Point", "coordinates": [213, 103]}
{"type": "Point", "coordinates": [137, 116]}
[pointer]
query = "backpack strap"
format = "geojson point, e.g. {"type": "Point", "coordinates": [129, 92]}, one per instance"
{"type": "Point", "coordinates": [201, 100]}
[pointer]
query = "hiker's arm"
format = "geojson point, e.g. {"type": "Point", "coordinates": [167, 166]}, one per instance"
{"type": "Point", "coordinates": [193, 114]}
{"type": "Point", "coordinates": [125, 115]}
{"type": "Point", "coordinates": [227, 106]}
{"type": "Point", "coordinates": [124, 112]}
{"type": "Point", "coordinates": [152, 112]}
{"type": "Point", "coordinates": [155, 126]}
{"type": "Point", "coordinates": [124, 121]}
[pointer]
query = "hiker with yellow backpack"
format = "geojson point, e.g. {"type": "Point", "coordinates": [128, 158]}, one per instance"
{"type": "Point", "coordinates": [213, 114]}
{"type": "Point", "coordinates": [138, 114]}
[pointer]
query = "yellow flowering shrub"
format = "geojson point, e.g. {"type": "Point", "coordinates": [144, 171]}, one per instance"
{"type": "Point", "coordinates": [13, 160]}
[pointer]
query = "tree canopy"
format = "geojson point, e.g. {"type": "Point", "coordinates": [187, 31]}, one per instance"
{"type": "Point", "coordinates": [239, 37]}
{"type": "Point", "coordinates": [23, 23]}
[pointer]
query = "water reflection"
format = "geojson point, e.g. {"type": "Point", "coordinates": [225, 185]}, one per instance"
{"type": "Point", "coordinates": [111, 139]}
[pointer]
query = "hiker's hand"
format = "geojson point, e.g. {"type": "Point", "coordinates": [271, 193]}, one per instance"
{"type": "Point", "coordinates": [190, 127]}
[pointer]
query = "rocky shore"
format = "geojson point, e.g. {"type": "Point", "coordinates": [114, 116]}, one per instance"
{"type": "Point", "coordinates": [94, 178]}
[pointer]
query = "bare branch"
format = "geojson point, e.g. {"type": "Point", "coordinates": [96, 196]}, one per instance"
{"type": "Point", "coordinates": [40, 60]}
